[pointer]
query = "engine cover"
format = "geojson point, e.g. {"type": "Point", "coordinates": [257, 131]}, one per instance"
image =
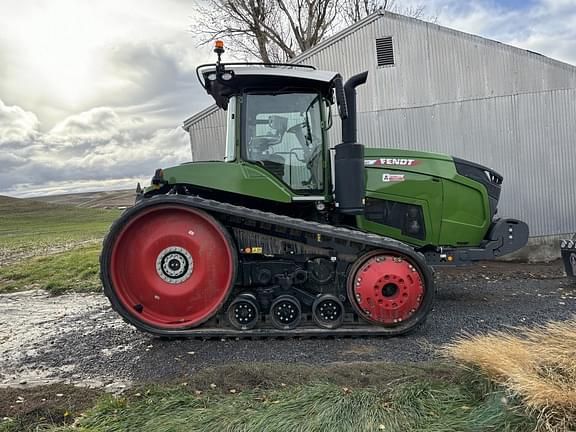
{"type": "Point", "coordinates": [428, 198]}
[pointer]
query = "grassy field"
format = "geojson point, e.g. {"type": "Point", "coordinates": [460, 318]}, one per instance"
{"type": "Point", "coordinates": [74, 270]}
{"type": "Point", "coordinates": [29, 227]}
{"type": "Point", "coordinates": [53, 247]}
{"type": "Point", "coordinates": [102, 199]}
{"type": "Point", "coordinates": [351, 397]}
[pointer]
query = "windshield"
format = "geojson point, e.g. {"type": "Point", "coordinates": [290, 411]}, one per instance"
{"type": "Point", "coordinates": [283, 134]}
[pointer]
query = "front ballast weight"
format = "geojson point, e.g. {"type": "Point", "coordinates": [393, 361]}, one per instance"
{"type": "Point", "coordinates": [172, 266]}
{"type": "Point", "coordinates": [503, 237]}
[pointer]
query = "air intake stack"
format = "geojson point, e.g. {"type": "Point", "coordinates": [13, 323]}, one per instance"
{"type": "Point", "coordinates": [349, 182]}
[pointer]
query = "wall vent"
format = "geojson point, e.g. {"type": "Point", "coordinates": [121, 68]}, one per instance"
{"type": "Point", "coordinates": [385, 51]}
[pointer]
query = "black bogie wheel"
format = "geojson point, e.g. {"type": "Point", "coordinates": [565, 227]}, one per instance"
{"type": "Point", "coordinates": [285, 312]}
{"type": "Point", "coordinates": [243, 313]}
{"type": "Point", "coordinates": [328, 311]}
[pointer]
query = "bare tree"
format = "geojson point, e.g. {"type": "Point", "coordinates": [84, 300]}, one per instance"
{"type": "Point", "coordinates": [354, 10]}
{"type": "Point", "coordinates": [272, 30]}
{"type": "Point", "coordinates": [278, 30]}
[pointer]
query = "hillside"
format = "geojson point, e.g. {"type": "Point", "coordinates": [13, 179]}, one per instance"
{"type": "Point", "coordinates": [31, 228]}
{"type": "Point", "coordinates": [105, 200]}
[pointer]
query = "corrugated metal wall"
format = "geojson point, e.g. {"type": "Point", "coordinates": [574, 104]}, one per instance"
{"type": "Point", "coordinates": [462, 95]}
{"type": "Point", "coordinates": [208, 136]}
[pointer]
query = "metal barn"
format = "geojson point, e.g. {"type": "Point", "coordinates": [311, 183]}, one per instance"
{"type": "Point", "coordinates": [434, 88]}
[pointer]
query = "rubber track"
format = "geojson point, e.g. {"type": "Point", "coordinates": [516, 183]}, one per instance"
{"type": "Point", "coordinates": [354, 239]}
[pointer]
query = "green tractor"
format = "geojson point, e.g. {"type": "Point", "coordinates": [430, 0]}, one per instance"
{"type": "Point", "coordinates": [288, 236]}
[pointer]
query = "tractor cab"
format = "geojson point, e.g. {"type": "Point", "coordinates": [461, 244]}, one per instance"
{"type": "Point", "coordinates": [277, 119]}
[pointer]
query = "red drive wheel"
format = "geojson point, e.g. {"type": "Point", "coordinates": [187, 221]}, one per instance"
{"type": "Point", "coordinates": [169, 267]}
{"type": "Point", "coordinates": [391, 290]}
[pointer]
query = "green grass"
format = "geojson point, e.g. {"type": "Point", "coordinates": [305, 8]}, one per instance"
{"type": "Point", "coordinates": [463, 403]}
{"type": "Point", "coordinates": [280, 397]}
{"type": "Point", "coordinates": [52, 247]}
{"type": "Point", "coordinates": [74, 270]}
{"type": "Point", "coordinates": [33, 227]}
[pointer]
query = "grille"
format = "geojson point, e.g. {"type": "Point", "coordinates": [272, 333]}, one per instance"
{"type": "Point", "coordinates": [385, 51]}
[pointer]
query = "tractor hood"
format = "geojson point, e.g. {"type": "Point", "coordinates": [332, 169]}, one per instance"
{"type": "Point", "coordinates": [433, 164]}
{"type": "Point", "coordinates": [396, 163]}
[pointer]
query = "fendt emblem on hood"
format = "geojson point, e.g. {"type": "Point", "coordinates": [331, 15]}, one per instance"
{"type": "Point", "coordinates": [391, 162]}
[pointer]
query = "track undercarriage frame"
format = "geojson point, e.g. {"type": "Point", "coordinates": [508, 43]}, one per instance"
{"type": "Point", "coordinates": [258, 275]}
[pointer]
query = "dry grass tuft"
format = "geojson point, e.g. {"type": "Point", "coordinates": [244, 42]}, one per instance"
{"type": "Point", "coordinates": [537, 365]}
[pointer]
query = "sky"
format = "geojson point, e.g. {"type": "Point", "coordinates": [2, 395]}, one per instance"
{"type": "Point", "coordinates": [93, 93]}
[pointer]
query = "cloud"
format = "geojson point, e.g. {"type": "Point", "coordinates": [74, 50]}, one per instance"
{"type": "Point", "coordinates": [96, 146]}
{"type": "Point", "coordinates": [131, 56]}
{"type": "Point", "coordinates": [16, 125]}
{"type": "Point", "coordinates": [544, 26]}
{"type": "Point", "coordinates": [96, 121]}
{"type": "Point", "coordinates": [11, 160]}
{"type": "Point", "coordinates": [156, 80]}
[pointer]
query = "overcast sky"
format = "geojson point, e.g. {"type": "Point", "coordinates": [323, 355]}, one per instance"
{"type": "Point", "coordinates": [93, 93]}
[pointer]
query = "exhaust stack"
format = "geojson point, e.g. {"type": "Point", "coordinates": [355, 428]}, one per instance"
{"type": "Point", "coordinates": [349, 182]}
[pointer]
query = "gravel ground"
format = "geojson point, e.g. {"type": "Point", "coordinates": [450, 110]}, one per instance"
{"type": "Point", "coordinates": [79, 339]}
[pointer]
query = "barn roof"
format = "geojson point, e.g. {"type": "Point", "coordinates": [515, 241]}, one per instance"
{"type": "Point", "coordinates": [329, 42]}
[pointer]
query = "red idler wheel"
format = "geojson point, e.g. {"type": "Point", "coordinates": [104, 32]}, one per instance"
{"type": "Point", "coordinates": [170, 267]}
{"type": "Point", "coordinates": [388, 289]}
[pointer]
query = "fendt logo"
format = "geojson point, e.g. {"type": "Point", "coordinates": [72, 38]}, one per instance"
{"type": "Point", "coordinates": [391, 162]}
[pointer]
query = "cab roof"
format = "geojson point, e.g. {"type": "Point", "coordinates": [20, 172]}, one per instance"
{"type": "Point", "coordinates": [285, 72]}
{"type": "Point", "coordinates": [234, 79]}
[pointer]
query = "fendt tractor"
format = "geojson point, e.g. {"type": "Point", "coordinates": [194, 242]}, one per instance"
{"type": "Point", "coordinates": [290, 237]}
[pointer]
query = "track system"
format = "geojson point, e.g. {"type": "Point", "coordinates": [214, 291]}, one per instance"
{"type": "Point", "coordinates": [185, 266]}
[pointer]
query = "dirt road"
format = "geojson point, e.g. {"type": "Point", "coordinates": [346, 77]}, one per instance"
{"type": "Point", "coordinates": [79, 339]}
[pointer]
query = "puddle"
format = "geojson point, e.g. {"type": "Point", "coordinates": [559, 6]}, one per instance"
{"type": "Point", "coordinates": [33, 324]}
